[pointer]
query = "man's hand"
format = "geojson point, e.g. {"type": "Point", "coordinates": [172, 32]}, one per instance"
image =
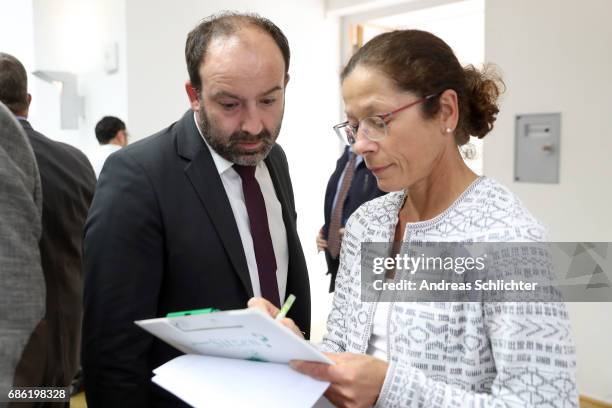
{"type": "Point", "coordinates": [356, 379]}
{"type": "Point", "coordinates": [272, 311]}
{"type": "Point", "coordinates": [321, 242]}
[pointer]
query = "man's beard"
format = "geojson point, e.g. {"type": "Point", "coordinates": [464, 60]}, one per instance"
{"type": "Point", "coordinates": [229, 148]}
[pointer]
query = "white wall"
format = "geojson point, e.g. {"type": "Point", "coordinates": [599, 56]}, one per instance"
{"type": "Point", "coordinates": [345, 7]}
{"type": "Point", "coordinates": [156, 40]}
{"type": "Point", "coordinates": [70, 35]}
{"type": "Point", "coordinates": [16, 30]}
{"type": "Point", "coordinates": [556, 57]}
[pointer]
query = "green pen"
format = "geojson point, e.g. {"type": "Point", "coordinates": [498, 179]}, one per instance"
{"type": "Point", "coordinates": [286, 306]}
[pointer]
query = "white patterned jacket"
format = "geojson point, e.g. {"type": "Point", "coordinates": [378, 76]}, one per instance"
{"type": "Point", "coordinates": [452, 354]}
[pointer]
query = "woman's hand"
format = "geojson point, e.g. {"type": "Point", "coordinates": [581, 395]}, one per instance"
{"type": "Point", "coordinates": [356, 379]}
{"type": "Point", "coordinates": [272, 311]}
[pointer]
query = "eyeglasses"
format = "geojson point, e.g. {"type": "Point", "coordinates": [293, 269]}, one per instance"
{"type": "Point", "coordinates": [373, 127]}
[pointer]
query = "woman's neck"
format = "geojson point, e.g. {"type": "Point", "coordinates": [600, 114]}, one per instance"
{"type": "Point", "coordinates": [432, 195]}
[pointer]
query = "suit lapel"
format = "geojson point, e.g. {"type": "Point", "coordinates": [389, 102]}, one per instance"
{"type": "Point", "coordinates": [205, 179]}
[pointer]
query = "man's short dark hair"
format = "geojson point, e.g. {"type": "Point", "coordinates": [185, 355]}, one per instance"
{"type": "Point", "coordinates": [107, 129]}
{"type": "Point", "coordinates": [226, 24]}
{"type": "Point", "coordinates": [13, 83]}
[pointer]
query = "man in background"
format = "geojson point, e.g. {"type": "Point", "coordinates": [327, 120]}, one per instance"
{"type": "Point", "coordinates": [199, 215]}
{"type": "Point", "coordinates": [112, 136]}
{"type": "Point", "coordinates": [68, 183]}
{"type": "Point", "coordinates": [350, 185]}
{"type": "Point", "coordinates": [22, 284]}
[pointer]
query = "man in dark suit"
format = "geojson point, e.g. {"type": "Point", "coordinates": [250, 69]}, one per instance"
{"type": "Point", "coordinates": [68, 183]}
{"type": "Point", "coordinates": [350, 185]}
{"type": "Point", "coordinates": [198, 215]}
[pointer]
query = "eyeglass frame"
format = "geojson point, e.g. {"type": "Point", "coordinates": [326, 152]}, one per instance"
{"type": "Point", "coordinates": [382, 116]}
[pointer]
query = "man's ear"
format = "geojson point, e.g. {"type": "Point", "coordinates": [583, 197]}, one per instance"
{"type": "Point", "coordinates": [192, 94]}
{"type": "Point", "coordinates": [29, 101]}
{"type": "Point", "coordinates": [124, 137]}
{"type": "Point", "coordinates": [286, 79]}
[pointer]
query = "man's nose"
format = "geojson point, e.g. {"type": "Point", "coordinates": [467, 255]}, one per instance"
{"type": "Point", "coordinates": [252, 122]}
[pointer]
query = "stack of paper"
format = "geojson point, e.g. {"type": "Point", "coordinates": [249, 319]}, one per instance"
{"type": "Point", "coordinates": [204, 381]}
{"type": "Point", "coordinates": [235, 358]}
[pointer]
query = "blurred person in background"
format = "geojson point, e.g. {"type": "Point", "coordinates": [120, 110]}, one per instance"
{"type": "Point", "coordinates": [350, 185]}
{"type": "Point", "coordinates": [68, 183]}
{"type": "Point", "coordinates": [112, 136]}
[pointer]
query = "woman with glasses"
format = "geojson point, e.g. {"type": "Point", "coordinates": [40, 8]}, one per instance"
{"type": "Point", "coordinates": [409, 106]}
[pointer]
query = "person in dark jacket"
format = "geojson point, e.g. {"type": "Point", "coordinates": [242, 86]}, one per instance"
{"type": "Point", "coordinates": [350, 185]}
{"type": "Point", "coordinates": [68, 184]}
{"type": "Point", "coordinates": [199, 215]}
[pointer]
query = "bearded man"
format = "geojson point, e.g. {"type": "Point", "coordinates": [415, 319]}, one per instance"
{"type": "Point", "coordinates": [198, 215]}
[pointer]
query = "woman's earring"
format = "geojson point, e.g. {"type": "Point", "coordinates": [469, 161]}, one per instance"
{"type": "Point", "coordinates": [448, 130]}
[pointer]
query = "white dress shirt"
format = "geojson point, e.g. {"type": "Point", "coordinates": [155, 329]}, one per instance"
{"type": "Point", "coordinates": [100, 155]}
{"type": "Point", "coordinates": [233, 188]}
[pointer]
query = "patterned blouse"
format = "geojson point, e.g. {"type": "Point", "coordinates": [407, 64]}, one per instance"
{"type": "Point", "coordinates": [451, 354]}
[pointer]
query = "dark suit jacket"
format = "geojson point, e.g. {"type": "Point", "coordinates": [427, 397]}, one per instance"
{"type": "Point", "coordinates": [363, 188]}
{"type": "Point", "coordinates": [68, 183]}
{"type": "Point", "coordinates": [161, 237]}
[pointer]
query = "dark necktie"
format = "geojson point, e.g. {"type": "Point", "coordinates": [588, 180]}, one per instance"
{"type": "Point", "coordinates": [260, 232]}
{"type": "Point", "coordinates": [333, 236]}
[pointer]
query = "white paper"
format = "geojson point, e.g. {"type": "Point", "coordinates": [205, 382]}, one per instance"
{"type": "Point", "coordinates": [237, 358]}
{"type": "Point", "coordinates": [204, 381]}
{"type": "Point", "coordinates": [247, 334]}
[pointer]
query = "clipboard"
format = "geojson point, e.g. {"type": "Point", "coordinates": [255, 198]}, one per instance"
{"type": "Point", "coordinates": [245, 334]}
